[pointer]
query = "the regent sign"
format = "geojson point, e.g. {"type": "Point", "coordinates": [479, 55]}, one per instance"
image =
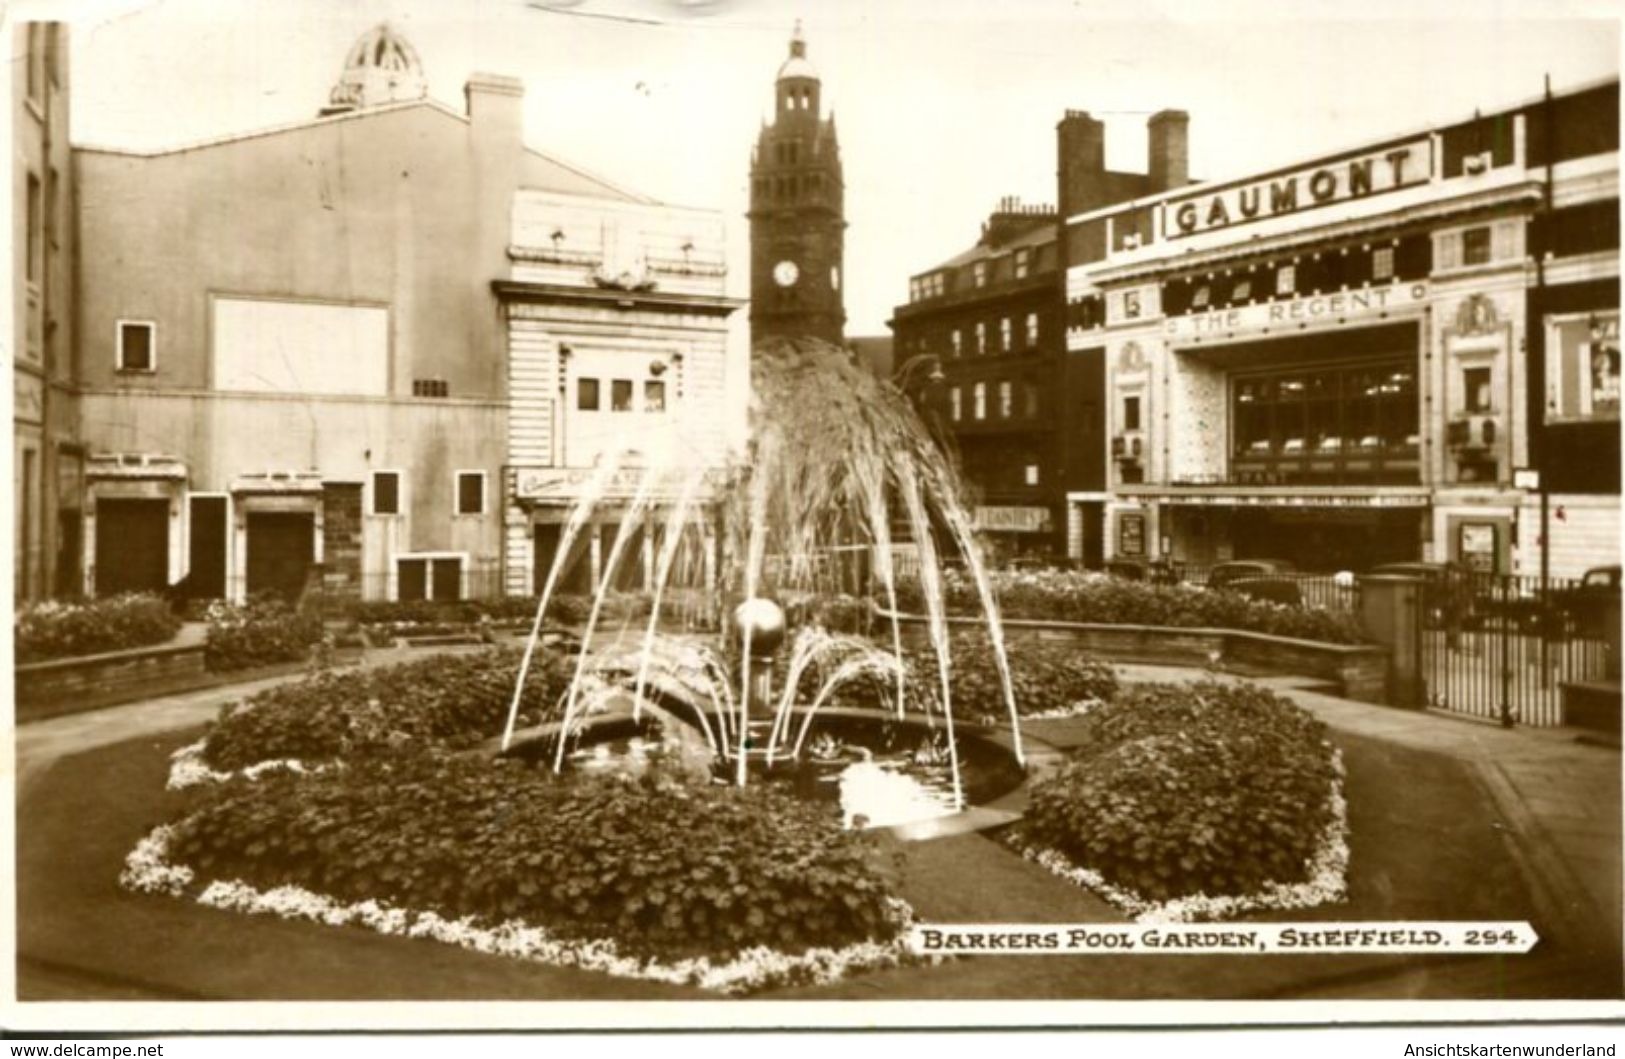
{"type": "Point", "coordinates": [1317, 309]}
{"type": "Point", "coordinates": [1344, 180]}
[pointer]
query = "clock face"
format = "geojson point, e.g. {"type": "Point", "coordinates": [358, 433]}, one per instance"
{"type": "Point", "coordinates": [785, 273]}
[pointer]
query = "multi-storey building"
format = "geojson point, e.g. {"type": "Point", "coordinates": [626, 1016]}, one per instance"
{"type": "Point", "coordinates": [1348, 360]}
{"type": "Point", "coordinates": [382, 345]}
{"type": "Point", "coordinates": [47, 458]}
{"type": "Point", "coordinates": [797, 221]}
{"type": "Point", "coordinates": [982, 344]}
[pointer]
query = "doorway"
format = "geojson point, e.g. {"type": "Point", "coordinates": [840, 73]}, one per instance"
{"type": "Point", "coordinates": [132, 546]}
{"type": "Point", "coordinates": [281, 549]}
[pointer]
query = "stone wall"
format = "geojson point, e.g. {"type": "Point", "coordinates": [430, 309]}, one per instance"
{"type": "Point", "coordinates": [341, 545]}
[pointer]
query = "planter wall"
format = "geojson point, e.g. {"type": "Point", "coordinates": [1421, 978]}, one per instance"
{"type": "Point", "coordinates": [107, 675]}
{"type": "Point", "coordinates": [1360, 671]}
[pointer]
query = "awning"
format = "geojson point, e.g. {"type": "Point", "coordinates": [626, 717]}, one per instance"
{"type": "Point", "coordinates": [1282, 498]}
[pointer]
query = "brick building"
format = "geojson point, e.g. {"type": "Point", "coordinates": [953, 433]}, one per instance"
{"type": "Point", "coordinates": [1026, 419]}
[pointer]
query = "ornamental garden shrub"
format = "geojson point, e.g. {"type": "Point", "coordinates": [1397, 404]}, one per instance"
{"type": "Point", "coordinates": [563, 609]}
{"type": "Point", "coordinates": [1045, 677]}
{"type": "Point", "coordinates": [1184, 789]}
{"type": "Point", "coordinates": [440, 701]}
{"type": "Point", "coordinates": [51, 629]}
{"type": "Point", "coordinates": [1093, 598]}
{"type": "Point", "coordinates": [264, 632]}
{"type": "Point", "coordinates": [667, 870]}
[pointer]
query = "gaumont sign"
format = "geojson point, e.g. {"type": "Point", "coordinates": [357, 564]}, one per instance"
{"type": "Point", "coordinates": [1344, 180]}
{"type": "Point", "coordinates": [1321, 308]}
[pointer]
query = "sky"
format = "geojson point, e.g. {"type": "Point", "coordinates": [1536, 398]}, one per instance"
{"type": "Point", "coordinates": [942, 108]}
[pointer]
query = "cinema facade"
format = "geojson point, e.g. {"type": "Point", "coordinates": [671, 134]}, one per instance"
{"type": "Point", "coordinates": [1363, 358]}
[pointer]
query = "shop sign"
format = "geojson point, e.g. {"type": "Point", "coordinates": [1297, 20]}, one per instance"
{"type": "Point", "coordinates": [1319, 308]}
{"type": "Point", "coordinates": [1309, 188]}
{"type": "Point", "coordinates": [1131, 535]}
{"type": "Point", "coordinates": [1011, 519]}
{"type": "Point", "coordinates": [1582, 375]}
{"type": "Point", "coordinates": [567, 483]}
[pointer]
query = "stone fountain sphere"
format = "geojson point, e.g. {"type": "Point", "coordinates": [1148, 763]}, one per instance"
{"type": "Point", "coordinates": [765, 620]}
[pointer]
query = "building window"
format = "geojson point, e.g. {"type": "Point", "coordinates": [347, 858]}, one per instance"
{"type": "Point", "coordinates": [979, 400]}
{"type": "Point", "coordinates": [1032, 330]}
{"type": "Point", "coordinates": [1032, 474]}
{"type": "Point", "coordinates": [1131, 413]}
{"type": "Point", "coordinates": [1029, 400]}
{"type": "Point", "coordinates": [955, 404]}
{"type": "Point", "coordinates": [587, 395]}
{"type": "Point", "coordinates": [1021, 263]}
{"type": "Point", "coordinates": [981, 338]}
{"type": "Point", "coordinates": [1202, 297]}
{"type": "Point", "coordinates": [654, 395]}
{"type": "Point", "coordinates": [386, 492]}
{"type": "Point", "coordinates": [979, 273]}
{"type": "Point", "coordinates": [137, 346]}
{"type": "Point", "coordinates": [471, 492]}
{"type": "Point", "coordinates": [958, 342]}
{"type": "Point", "coordinates": [1131, 305]}
{"type": "Point", "coordinates": [1242, 291]}
{"type": "Point", "coordinates": [36, 230]}
{"type": "Point", "coordinates": [1382, 263]}
{"type": "Point", "coordinates": [1004, 334]}
{"type": "Point", "coordinates": [36, 60]}
{"type": "Point", "coordinates": [430, 388]}
{"type": "Point", "coordinates": [1475, 246]}
{"type": "Point", "coordinates": [1006, 399]}
{"type": "Point", "coordinates": [620, 395]}
{"type": "Point", "coordinates": [1286, 279]}
{"type": "Point", "coordinates": [422, 577]}
{"type": "Point", "coordinates": [1475, 386]}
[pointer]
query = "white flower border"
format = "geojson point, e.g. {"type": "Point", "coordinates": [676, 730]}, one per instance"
{"type": "Point", "coordinates": [1327, 882]}
{"type": "Point", "coordinates": [188, 769]}
{"type": "Point", "coordinates": [1081, 708]}
{"type": "Point", "coordinates": [147, 869]}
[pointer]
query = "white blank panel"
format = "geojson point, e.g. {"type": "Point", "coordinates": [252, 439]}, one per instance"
{"type": "Point", "coordinates": [300, 347]}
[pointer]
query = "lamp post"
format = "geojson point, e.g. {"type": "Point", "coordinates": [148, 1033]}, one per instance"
{"type": "Point", "coordinates": [904, 378]}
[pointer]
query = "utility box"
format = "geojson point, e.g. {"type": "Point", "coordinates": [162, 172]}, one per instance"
{"type": "Point", "coordinates": [1391, 615]}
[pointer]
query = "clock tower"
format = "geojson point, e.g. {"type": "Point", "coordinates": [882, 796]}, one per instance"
{"type": "Point", "coordinates": [797, 230]}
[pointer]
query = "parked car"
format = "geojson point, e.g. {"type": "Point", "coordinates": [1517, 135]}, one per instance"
{"type": "Point", "coordinates": [1226, 574]}
{"type": "Point", "coordinates": [1588, 603]}
{"type": "Point", "coordinates": [1268, 590]}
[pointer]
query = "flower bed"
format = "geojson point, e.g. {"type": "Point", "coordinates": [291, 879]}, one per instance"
{"type": "Point", "coordinates": [714, 886]}
{"type": "Point", "coordinates": [1056, 595]}
{"type": "Point", "coordinates": [443, 701]}
{"type": "Point", "coordinates": [51, 630]}
{"type": "Point", "coordinates": [1047, 679]}
{"type": "Point", "coordinates": [410, 616]}
{"type": "Point", "coordinates": [1195, 800]}
{"type": "Point", "coordinates": [265, 632]}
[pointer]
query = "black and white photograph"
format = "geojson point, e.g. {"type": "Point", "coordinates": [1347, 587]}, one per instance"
{"type": "Point", "coordinates": [718, 514]}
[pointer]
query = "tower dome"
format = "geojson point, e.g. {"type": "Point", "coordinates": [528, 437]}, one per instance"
{"type": "Point", "coordinates": [798, 65]}
{"type": "Point", "coordinates": [382, 67]}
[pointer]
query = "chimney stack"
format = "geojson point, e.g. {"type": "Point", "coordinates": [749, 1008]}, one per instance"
{"type": "Point", "coordinates": [1168, 149]}
{"type": "Point", "coordinates": [1080, 152]}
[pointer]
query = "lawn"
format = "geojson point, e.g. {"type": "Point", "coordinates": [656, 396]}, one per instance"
{"type": "Point", "coordinates": [1425, 842]}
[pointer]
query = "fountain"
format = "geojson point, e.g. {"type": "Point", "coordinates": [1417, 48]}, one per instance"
{"type": "Point", "coordinates": [834, 456]}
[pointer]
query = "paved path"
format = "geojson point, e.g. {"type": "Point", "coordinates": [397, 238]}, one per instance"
{"type": "Point", "coordinates": [1561, 797]}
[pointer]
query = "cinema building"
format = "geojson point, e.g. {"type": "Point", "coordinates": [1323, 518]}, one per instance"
{"type": "Point", "coordinates": [381, 350]}
{"type": "Point", "coordinates": [1349, 360]}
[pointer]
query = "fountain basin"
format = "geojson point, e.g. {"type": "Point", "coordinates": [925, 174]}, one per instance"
{"type": "Point", "coordinates": [875, 771]}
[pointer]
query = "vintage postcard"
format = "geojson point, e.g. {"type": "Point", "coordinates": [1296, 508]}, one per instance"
{"type": "Point", "coordinates": [729, 513]}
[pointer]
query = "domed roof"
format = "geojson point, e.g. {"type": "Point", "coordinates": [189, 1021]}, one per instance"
{"type": "Point", "coordinates": [382, 67]}
{"type": "Point", "coordinates": [798, 65]}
